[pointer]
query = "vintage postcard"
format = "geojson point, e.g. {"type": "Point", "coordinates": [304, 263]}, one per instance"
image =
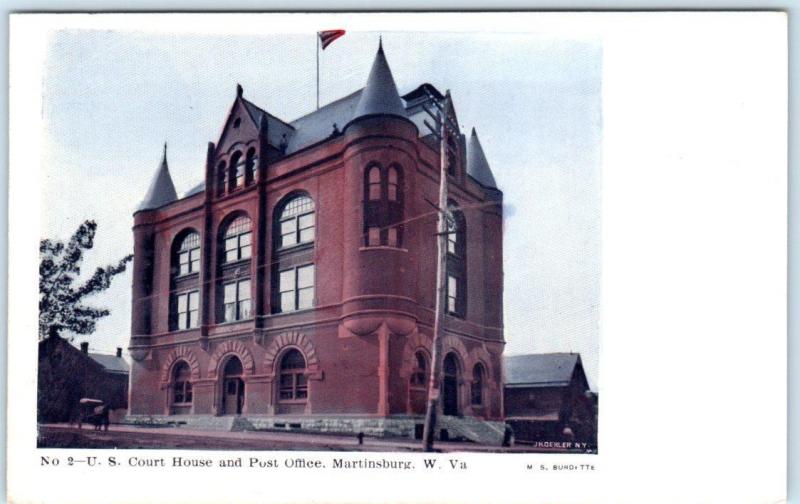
{"type": "Point", "coordinates": [381, 257]}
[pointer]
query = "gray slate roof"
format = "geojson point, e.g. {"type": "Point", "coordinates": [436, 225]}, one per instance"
{"type": "Point", "coordinates": [162, 190]}
{"type": "Point", "coordinates": [477, 165]}
{"type": "Point", "coordinates": [540, 370]}
{"type": "Point", "coordinates": [112, 363]}
{"type": "Point", "coordinates": [380, 96]}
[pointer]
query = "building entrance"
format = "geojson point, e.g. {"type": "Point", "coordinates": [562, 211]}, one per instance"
{"type": "Point", "coordinates": [450, 388]}
{"type": "Point", "coordinates": [232, 388]}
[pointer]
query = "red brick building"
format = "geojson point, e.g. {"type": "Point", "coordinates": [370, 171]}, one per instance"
{"type": "Point", "coordinates": [296, 285]}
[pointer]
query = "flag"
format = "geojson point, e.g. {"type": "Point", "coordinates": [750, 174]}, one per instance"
{"type": "Point", "coordinates": [327, 37]}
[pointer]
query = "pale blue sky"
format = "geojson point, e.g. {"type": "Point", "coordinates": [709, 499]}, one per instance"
{"type": "Point", "coordinates": [111, 99]}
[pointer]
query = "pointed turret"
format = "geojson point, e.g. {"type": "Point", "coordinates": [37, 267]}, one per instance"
{"type": "Point", "coordinates": [162, 190]}
{"type": "Point", "coordinates": [380, 96]}
{"type": "Point", "coordinates": [477, 165]}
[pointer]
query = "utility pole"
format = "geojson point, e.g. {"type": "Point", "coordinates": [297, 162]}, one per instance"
{"type": "Point", "coordinates": [442, 123]}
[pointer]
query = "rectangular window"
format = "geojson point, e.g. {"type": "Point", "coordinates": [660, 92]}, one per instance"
{"type": "Point", "coordinates": [305, 287]}
{"type": "Point", "coordinates": [296, 288]}
{"type": "Point", "coordinates": [229, 300]}
{"type": "Point", "coordinates": [452, 294]}
{"type": "Point", "coordinates": [392, 241]}
{"type": "Point", "coordinates": [194, 260]}
{"type": "Point", "coordinates": [188, 310]}
{"type": "Point", "coordinates": [244, 300]}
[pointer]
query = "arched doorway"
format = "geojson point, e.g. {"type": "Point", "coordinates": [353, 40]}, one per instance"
{"type": "Point", "coordinates": [450, 385]}
{"type": "Point", "coordinates": [232, 387]}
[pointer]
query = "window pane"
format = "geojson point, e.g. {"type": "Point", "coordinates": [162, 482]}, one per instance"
{"type": "Point", "coordinates": [451, 304]}
{"type": "Point", "coordinates": [244, 289]}
{"type": "Point", "coordinates": [194, 300]}
{"type": "Point", "coordinates": [245, 252]}
{"type": "Point", "coordinates": [231, 253]}
{"type": "Point", "coordinates": [244, 309]}
{"type": "Point", "coordinates": [374, 192]}
{"type": "Point", "coordinates": [286, 281]}
{"type": "Point", "coordinates": [230, 312]}
{"type": "Point", "coordinates": [188, 393]}
{"type": "Point", "coordinates": [375, 175]}
{"type": "Point", "coordinates": [392, 192]}
{"type": "Point", "coordinates": [182, 322]}
{"type": "Point", "coordinates": [306, 221]}
{"type": "Point", "coordinates": [307, 235]}
{"type": "Point", "coordinates": [287, 380]}
{"type": "Point", "coordinates": [230, 293]}
{"type": "Point", "coordinates": [452, 286]}
{"type": "Point", "coordinates": [287, 301]}
{"type": "Point", "coordinates": [245, 239]}
{"type": "Point", "coordinates": [305, 298]}
{"type": "Point", "coordinates": [193, 318]}
{"type": "Point", "coordinates": [374, 236]}
{"type": "Point", "coordinates": [305, 276]}
{"type": "Point", "coordinates": [392, 236]}
{"type": "Point", "coordinates": [182, 303]}
{"type": "Point", "coordinates": [288, 232]}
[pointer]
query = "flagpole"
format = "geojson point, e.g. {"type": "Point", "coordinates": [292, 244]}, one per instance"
{"type": "Point", "coordinates": [316, 37]}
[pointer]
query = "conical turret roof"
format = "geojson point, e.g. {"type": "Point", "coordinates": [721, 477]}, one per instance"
{"type": "Point", "coordinates": [477, 165]}
{"type": "Point", "coordinates": [380, 96]}
{"type": "Point", "coordinates": [162, 190]}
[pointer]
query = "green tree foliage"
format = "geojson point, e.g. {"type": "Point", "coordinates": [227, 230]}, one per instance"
{"type": "Point", "coordinates": [61, 301]}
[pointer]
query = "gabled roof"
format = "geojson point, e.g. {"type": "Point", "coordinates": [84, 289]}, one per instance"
{"type": "Point", "coordinates": [477, 165]}
{"type": "Point", "coordinates": [111, 363]}
{"type": "Point", "coordinates": [276, 129]}
{"type": "Point", "coordinates": [162, 190]}
{"type": "Point", "coordinates": [380, 96]}
{"type": "Point", "coordinates": [540, 370]}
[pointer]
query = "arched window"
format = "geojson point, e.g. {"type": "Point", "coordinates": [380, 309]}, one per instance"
{"type": "Point", "coordinates": [249, 166]}
{"type": "Point", "coordinates": [293, 384]}
{"type": "Point", "coordinates": [222, 171]}
{"type": "Point", "coordinates": [296, 222]}
{"type": "Point", "coordinates": [456, 261]}
{"type": "Point", "coordinates": [236, 171]}
{"type": "Point", "coordinates": [383, 206]}
{"type": "Point", "coordinates": [188, 254]}
{"type": "Point", "coordinates": [181, 386]}
{"type": "Point", "coordinates": [420, 373]}
{"type": "Point", "coordinates": [477, 384]}
{"type": "Point", "coordinates": [238, 239]}
{"type": "Point", "coordinates": [184, 300]}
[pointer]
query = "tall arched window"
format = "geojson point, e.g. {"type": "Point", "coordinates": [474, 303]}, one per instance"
{"type": "Point", "coordinates": [238, 239]}
{"type": "Point", "coordinates": [383, 206]}
{"type": "Point", "coordinates": [456, 261]}
{"type": "Point", "coordinates": [477, 384]}
{"type": "Point", "coordinates": [236, 171]}
{"type": "Point", "coordinates": [417, 386]}
{"type": "Point", "coordinates": [293, 383]}
{"type": "Point", "coordinates": [250, 166]}
{"type": "Point", "coordinates": [234, 286]}
{"type": "Point", "coordinates": [181, 384]}
{"type": "Point", "coordinates": [184, 300]}
{"type": "Point", "coordinates": [293, 267]}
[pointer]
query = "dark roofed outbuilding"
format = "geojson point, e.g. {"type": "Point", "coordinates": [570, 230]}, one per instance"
{"type": "Point", "coordinates": [547, 398]}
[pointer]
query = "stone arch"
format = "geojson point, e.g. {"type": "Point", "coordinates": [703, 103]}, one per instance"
{"type": "Point", "coordinates": [177, 354]}
{"type": "Point", "coordinates": [291, 339]}
{"type": "Point", "coordinates": [452, 343]}
{"type": "Point", "coordinates": [414, 342]}
{"type": "Point", "coordinates": [480, 354]}
{"type": "Point", "coordinates": [234, 347]}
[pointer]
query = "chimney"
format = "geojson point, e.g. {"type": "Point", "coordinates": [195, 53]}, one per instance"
{"type": "Point", "coordinates": [85, 347]}
{"type": "Point", "coordinates": [119, 351]}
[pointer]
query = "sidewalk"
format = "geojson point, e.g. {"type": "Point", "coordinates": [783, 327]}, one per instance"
{"type": "Point", "coordinates": [178, 437]}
